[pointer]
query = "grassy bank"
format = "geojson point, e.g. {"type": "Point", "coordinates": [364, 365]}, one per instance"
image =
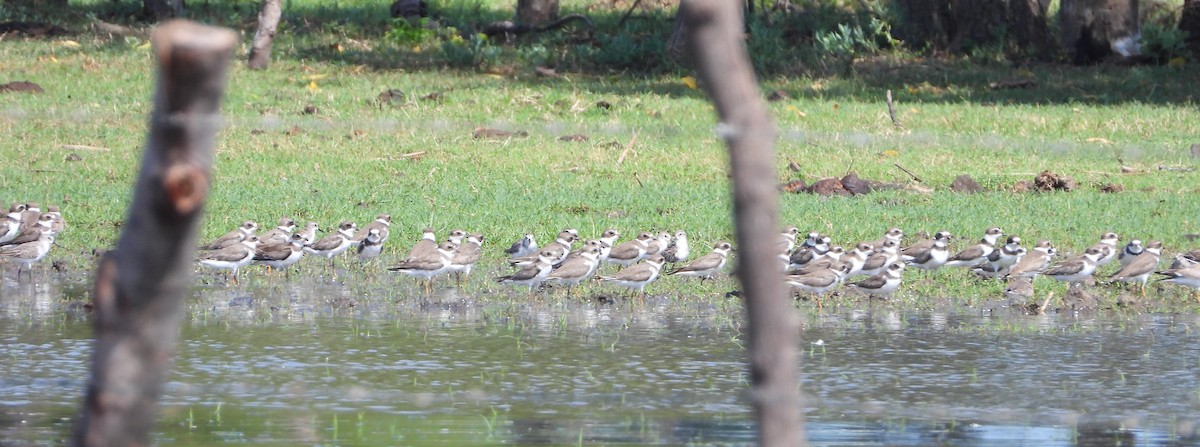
{"type": "Point", "coordinates": [651, 161]}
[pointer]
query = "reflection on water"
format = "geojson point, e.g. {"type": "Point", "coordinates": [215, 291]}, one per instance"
{"type": "Point", "coordinates": [337, 364]}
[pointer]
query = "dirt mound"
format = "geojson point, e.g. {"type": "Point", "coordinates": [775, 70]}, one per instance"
{"type": "Point", "coordinates": [1049, 181]}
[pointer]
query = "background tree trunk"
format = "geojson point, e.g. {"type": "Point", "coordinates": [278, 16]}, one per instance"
{"type": "Point", "coordinates": [1030, 29]}
{"type": "Point", "coordinates": [677, 42]}
{"type": "Point", "coordinates": [537, 12]}
{"type": "Point", "coordinates": [1019, 27]}
{"type": "Point", "coordinates": [715, 37]}
{"type": "Point", "coordinates": [140, 286]}
{"type": "Point", "coordinates": [160, 10]}
{"type": "Point", "coordinates": [1189, 21]}
{"type": "Point", "coordinates": [268, 22]}
{"type": "Point", "coordinates": [1092, 29]}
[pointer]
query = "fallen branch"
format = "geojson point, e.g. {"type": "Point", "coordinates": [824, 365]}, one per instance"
{"type": "Point", "coordinates": [625, 152]}
{"type": "Point", "coordinates": [1042, 308]}
{"type": "Point", "coordinates": [628, 13]}
{"type": "Point", "coordinates": [910, 174]}
{"type": "Point", "coordinates": [101, 26]}
{"type": "Point", "coordinates": [80, 147]}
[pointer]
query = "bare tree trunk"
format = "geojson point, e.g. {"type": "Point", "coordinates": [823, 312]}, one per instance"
{"type": "Point", "coordinates": [268, 21]}
{"type": "Point", "coordinates": [537, 12]}
{"type": "Point", "coordinates": [1030, 26]}
{"type": "Point", "coordinates": [715, 37]}
{"type": "Point", "coordinates": [140, 286]}
{"type": "Point", "coordinates": [1189, 21]}
{"type": "Point", "coordinates": [163, 9]}
{"type": "Point", "coordinates": [1093, 30]}
{"type": "Point", "coordinates": [677, 43]}
{"type": "Point", "coordinates": [957, 26]}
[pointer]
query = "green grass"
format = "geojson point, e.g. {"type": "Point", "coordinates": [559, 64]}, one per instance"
{"type": "Point", "coordinates": [345, 163]}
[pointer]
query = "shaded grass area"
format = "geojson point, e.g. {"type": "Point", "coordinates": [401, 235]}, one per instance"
{"type": "Point", "coordinates": [351, 159]}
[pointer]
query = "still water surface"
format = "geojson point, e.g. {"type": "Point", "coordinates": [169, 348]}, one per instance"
{"type": "Point", "coordinates": [296, 365]}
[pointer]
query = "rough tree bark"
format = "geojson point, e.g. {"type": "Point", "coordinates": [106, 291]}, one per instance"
{"type": "Point", "coordinates": [677, 43]}
{"type": "Point", "coordinates": [162, 9]}
{"type": "Point", "coordinates": [1093, 30]}
{"type": "Point", "coordinates": [140, 285]}
{"type": "Point", "coordinates": [1189, 21]}
{"type": "Point", "coordinates": [715, 38]}
{"type": "Point", "coordinates": [268, 22]}
{"type": "Point", "coordinates": [537, 12]}
{"type": "Point", "coordinates": [1019, 26]}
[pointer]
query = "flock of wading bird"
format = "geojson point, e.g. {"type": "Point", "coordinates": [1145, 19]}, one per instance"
{"type": "Point", "coordinates": [640, 261]}
{"type": "Point", "coordinates": [813, 265]}
{"type": "Point", "coordinates": [27, 234]}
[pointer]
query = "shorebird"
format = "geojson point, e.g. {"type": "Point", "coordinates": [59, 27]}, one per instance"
{"type": "Point", "coordinates": [309, 233]}
{"type": "Point", "coordinates": [1188, 277]}
{"type": "Point", "coordinates": [11, 223]}
{"type": "Point", "coordinates": [1139, 268]}
{"type": "Point", "coordinates": [855, 259]}
{"type": "Point", "coordinates": [532, 274]}
{"type": "Point", "coordinates": [1001, 259]}
{"type": "Point", "coordinates": [819, 282]}
{"type": "Point", "coordinates": [526, 246]}
{"type": "Point", "coordinates": [233, 237]}
{"type": "Point", "coordinates": [466, 256]}
{"type": "Point", "coordinates": [44, 224]}
{"type": "Point", "coordinates": [232, 257]}
{"type": "Point", "coordinates": [1182, 261]}
{"type": "Point", "coordinates": [59, 223]}
{"type": "Point", "coordinates": [1019, 289]}
{"type": "Point", "coordinates": [457, 236]}
{"type": "Point", "coordinates": [282, 233]}
{"type": "Point", "coordinates": [1032, 263]}
{"type": "Point", "coordinates": [881, 258]}
{"type": "Point", "coordinates": [813, 248]}
{"type": "Point", "coordinates": [27, 253]}
{"type": "Point", "coordinates": [1131, 251]}
{"type": "Point", "coordinates": [823, 261]}
{"type": "Point", "coordinates": [893, 234]}
{"type": "Point", "coordinates": [679, 249]}
{"type": "Point", "coordinates": [881, 285]}
{"type": "Point", "coordinates": [429, 265]}
{"type": "Point", "coordinates": [607, 240]}
{"type": "Point", "coordinates": [335, 244]}
{"type": "Point", "coordinates": [280, 255]}
{"type": "Point", "coordinates": [1077, 269]}
{"type": "Point", "coordinates": [630, 252]}
{"type": "Point", "coordinates": [637, 276]}
{"type": "Point", "coordinates": [30, 215]}
{"type": "Point", "coordinates": [976, 253]}
{"type": "Point", "coordinates": [1108, 248]}
{"type": "Point", "coordinates": [929, 256]}
{"type": "Point", "coordinates": [560, 247]}
{"type": "Point", "coordinates": [383, 225]}
{"type": "Point", "coordinates": [919, 247]}
{"type": "Point", "coordinates": [705, 266]}
{"type": "Point", "coordinates": [658, 244]}
{"type": "Point", "coordinates": [576, 269]}
{"type": "Point", "coordinates": [787, 240]}
{"type": "Point", "coordinates": [424, 247]}
{"type": "Point", "coordinates": [371, 245]}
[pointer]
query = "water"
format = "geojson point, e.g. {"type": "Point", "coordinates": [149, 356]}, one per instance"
{"type": "Point", "coordinates": [312, 363]}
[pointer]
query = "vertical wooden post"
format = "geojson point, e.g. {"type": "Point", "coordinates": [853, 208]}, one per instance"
{"type": "Point", "coordinates": [714, 29]}
{"type": "Point", "coordinates": [140, 286]}
{"type": "Point", "coordinates": [268, 22]}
